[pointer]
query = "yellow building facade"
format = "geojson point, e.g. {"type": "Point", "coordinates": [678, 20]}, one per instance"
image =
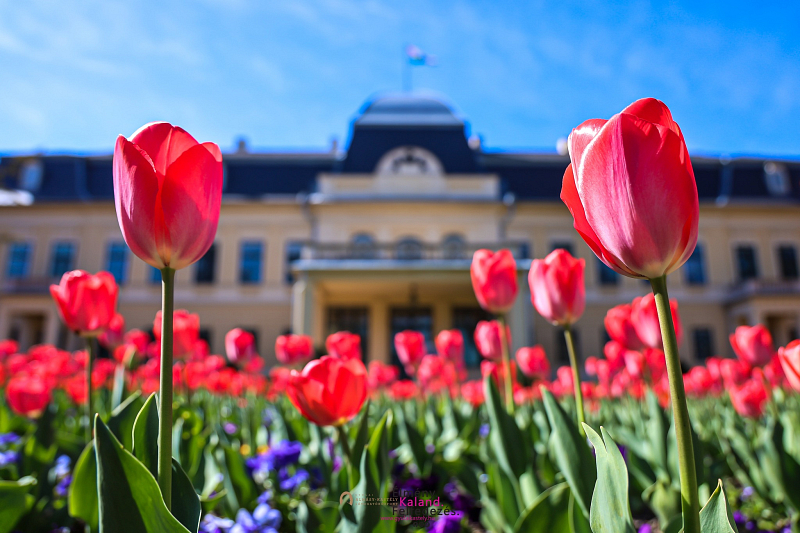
{"type": "Point", "coordinates": [378, 238]}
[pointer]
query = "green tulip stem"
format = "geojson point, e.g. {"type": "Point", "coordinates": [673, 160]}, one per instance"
{"type": "Point", "coordinates": [506, 371]}
{"type": "Point", "coordinates": [165, 395]}
{"type": "Point", "coordinates": [91, 353]}
{"type": "Point", "coordinates": [576, 377]}
{"type": "Point", "coordinates": [342, 434]}
{"type": "Point", "coordinates": [690, 501]}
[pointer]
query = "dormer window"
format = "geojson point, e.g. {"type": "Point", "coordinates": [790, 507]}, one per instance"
{"type": "Point", "coordinates": [409, 161]}
{"type": "Point", "coordinates": [776, 176]}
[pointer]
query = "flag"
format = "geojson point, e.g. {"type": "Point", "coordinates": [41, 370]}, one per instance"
{"type": "Point", "coordinates": [417, 57]}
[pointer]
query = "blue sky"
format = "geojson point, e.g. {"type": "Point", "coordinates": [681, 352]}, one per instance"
{"type": "Point", "coordinates": [292, 74]}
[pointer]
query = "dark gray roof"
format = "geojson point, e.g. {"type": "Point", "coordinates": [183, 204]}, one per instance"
{"type": "Point", "coordinates": [385, 123]}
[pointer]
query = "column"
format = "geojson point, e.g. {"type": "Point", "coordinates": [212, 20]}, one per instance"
{"type": "Point", "coordinates": [379, 331]}
{"type": "Point", "coordinates": [303, 301]}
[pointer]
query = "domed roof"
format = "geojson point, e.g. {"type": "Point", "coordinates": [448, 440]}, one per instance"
{"type": "Point", "coordinates": [407, 109]}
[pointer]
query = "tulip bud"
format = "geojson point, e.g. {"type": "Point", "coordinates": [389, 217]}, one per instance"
{"type": "Point", "coordinates": [329, 391]}
{"type": "Point", "coordinates": [293, 349]}
{"type": "Point", "coordinates": [86, 302]}
{"type": "Point", "coordinates": [753, 345]}
{"type": "Point", "coordinates": [494, 280]}
{"type": "Point", "coordinates": [557, 288]}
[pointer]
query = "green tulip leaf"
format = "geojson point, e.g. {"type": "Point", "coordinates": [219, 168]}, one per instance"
{"type": "Point", "coordinates": [716, 516]}
{"type": "Point", "coordinates": [145, 435]}
{"type": "Point", "coordinates": [360, 518]}
{"type": "Point", "coordinates": [124, 417]}
{"type": "Point", "coordinates": [505, 436]}
{"type": "Point", "coordinates": [610, 510]}
{"type": "Point", "coordinates": [14, 501]}
{"type": "Point", "coordinates": [130, 500]}
{"type": "Point", "coordinates": [83, 489]}
{"type": "Point", "coordinates": [549, 513]}
{"type": "Point", "coordinates": [185, 501]}
{"type": "Point", "coordinates": [571, 453]}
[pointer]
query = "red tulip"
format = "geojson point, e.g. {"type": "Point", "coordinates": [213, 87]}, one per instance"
{"type": "Point", "coordinates": [28, 394]}
{"type": "Point", "coordinates": [8, 347]}
{"type": "Point", "coordinates": [472, 391]}
{"type": "Point", "coordinates": [494, 280]}
{"type": "Point", "coordinates": [615, 354]}
{"type": "Point", "coordinates": [167, 190]}
{"type": "Point", "coordinates": [749, 399]}
{"type": "Point", "coordinates": [405, 389]}
{"type": "Point", "coordinates": [790, 362]}
{"type": "Point", "coordinates": [620, 328]}
{"type": "Point", "coordinates": [139, 339]}
{"type": "Point", "coordinates": [86, 302]}
{"type": "Point", "coordinates": [499, 373]}
{"type": "Point", "coordinates": [114, 334]}
{"type": "Point", "coordinates": [381, 375]}
{"type": "Point", "coordinates": [240, 345]}
{"type": "Point", "coordinates": [487, 339]}
{"type": "Point", "coordinates": [644, 317]}
{"type": "Point", "coordinates": [185, 331]}
{"type": "Point", "coordinates": [436, 373]}
{"type": "Point", "coordinates": [557, 288]}
{"type": "Point", "coordinates": [329, 391]}
{"type": "Point", "coordinates": [634, 363]}
{"type": "Point", "coordinates": [734, 372]}
{"type": "Point", "coordinates": [699, 382]}
{"type": "Point", "coordinates": [344, 345]}
{"type": "Point", "coordinates": [410, 348]}
{"type": "Point", "coordinates": [753, 345]}
{"type": "Point", "coordinates": [533, 362]}
{"type": "Point", "coordinates": [293, 349]}
{"type": "Point", "coordinates": [631, 190]}
{"type": "Point", "coordinates": [450, 345]}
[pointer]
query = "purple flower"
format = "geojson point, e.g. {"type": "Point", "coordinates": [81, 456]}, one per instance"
{"type": "Point", "coordinates": [8, 438]}
{"type": "Point", "coordinates": [266, 516]}
{"type": "Point", "coordinates": [747, 492]}
{"type": "Point", "coordinates": [430, 448]}
{"type": "Point", "coordinates": [279, 456]}
{"type": "Point", "coordinates": [291, 483]}
{"type": "Point", "coordinates": [265, 496]}
{"type": "Point", "coordinates": [645, 528]}
{"type": "Point", "coordinates": [62, 487]}
{"type": "Point", "coordinates": [484, 430]}
{"type": "Point", "coordinates": [61, 467]}
{"type": "Point", "coordinates": [247, 523]}
{"type": "Point", "coordinates": [337, 464]}
{"type": "Point", "coordinates": [215, 524]}
{"type": "Point", "coordinates": [739, 518]}
{"type": "Point", "coordinates": [230, 428]}
{"type": "Point", "coordinates": [7, 458]}
{"type": "Point", "coordinates": [446, 524]}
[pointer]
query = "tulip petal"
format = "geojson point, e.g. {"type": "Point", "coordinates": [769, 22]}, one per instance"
{"type": "Point", "coordinates": [580, 138]}
{"type": "Point", "coordinates": [163, 142]}
{"type": "Point", "coordinates": [135, 195]}
{"type": "Point", "coordinates": [655, 111]}
{"type": "Point", "coordinates": [191, 197]}
{"type": "Point", "coordinates": [569, 195]}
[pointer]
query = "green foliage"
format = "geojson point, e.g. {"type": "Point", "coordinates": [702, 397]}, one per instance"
{"type": "Point", "coordinates": [610, 512]}
{"type": "Point", "coordinates": [716, 516]}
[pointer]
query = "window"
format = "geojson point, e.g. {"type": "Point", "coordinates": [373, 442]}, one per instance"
{"type": "Point", "coordinates": [204, 271]}
{"type": "Point", "coordinates": [465, 319]}
{"type": "Point", "coordinates": [251, 259]}
{"type": "Point", "coordinates": [19, 256]}
{"type": "Point", "coordinates": [62, 258]}
{"type": "Point", "coordinates": [117, 260]}
{"type": "Point", "coordinates": [695, 268]}
{"type": "Point", "coordinates": [566, 245]}
{"type": "Point", "coordinates": [205, 335]}
{"type": "Point", "coordinates": [776, 176]}
{"type": "Point", "coordinates": [409, 249]}
{"type": "Point", "coordinates": [605, 338]}
{"type": "Point", "coordinates": [294, 251]}
{"type": "Point", "coordinates": [155, 275]}
{"type": "Point", "coordinates": [453, 247]}
{"type": "Point", "coordinates": [524, 251]}
{"type": "Point", "coordinates": [703, 343]}
{"type": "Point", "coordinates": [606, 275]}
{"type": "Point", "coordinates": [362, 246]}
{"type": "Point", "coordinates": [787, 257]}
{"type": "Point", "coordinates": [746, 262]}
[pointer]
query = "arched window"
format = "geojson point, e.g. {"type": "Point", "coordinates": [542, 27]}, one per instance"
{"type": "Point", "coordinates": [454, 247]}
{"type": "Point", "coordinates": [362, 246]}
{"type": "Point", "coordinates": [409, 249]}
